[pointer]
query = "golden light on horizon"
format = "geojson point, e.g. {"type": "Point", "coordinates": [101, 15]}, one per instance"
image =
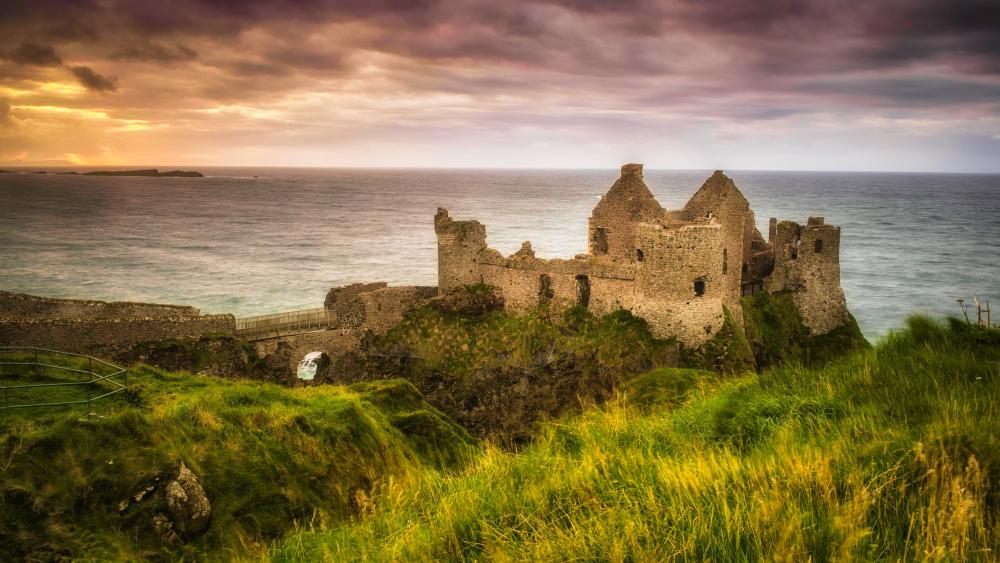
{"type": "Point", "coordinates": [84, 113]}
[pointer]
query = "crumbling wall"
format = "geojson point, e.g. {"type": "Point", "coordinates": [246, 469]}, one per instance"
{"type": "Point", "coordinates": [384, 308]}
{"type": "Point", "coordinates": [108, 337]}
{"type": "Point", "coordinates": [374, 306]}
{"type": "Point", "coordinates": [22, 306]}
{"type": "Point", "coordinates": [680, 288]}
{"type": "Point", "coordinates": [807, 262]}
{"type": "Point", "coordinates": [522, 278]}
{"type": "Point", "coordinates": [460, 244]}
{"type": "Point", "coordinates": [345, 303]}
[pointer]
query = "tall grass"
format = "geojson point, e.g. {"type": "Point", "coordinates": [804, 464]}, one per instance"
{"type": "Point", "coordinates": [889, 454]}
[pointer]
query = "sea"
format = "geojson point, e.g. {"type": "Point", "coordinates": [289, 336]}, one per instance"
{"type": "Point", "coordinates": [253, 241]}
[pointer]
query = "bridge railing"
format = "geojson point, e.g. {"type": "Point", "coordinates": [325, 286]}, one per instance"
{"type": "Point", "coordinates": [289, 322]}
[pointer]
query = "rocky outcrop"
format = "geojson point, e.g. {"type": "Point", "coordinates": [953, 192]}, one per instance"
{"type": "Point", "coordinates": [275, 367]}
{"type": "Point", "coordinates": [224, 356]}
{"type": "Point", "coordinates": [187, 504]}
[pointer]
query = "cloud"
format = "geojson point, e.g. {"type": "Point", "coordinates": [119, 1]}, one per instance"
{"type": "Point", "coordinates": [93, 81]}
{"type": "Point", "coordinates": [155, 53]}
{"type": "Point", "coordinates": [4, 111]}
{"type": "Point", "coordinates": [586, 69]}
{"type": "Point", "coordinates": [34, 54]}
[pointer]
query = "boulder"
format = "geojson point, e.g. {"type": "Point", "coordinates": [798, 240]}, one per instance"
{"type": "Point", "coordinates": [187, 504]}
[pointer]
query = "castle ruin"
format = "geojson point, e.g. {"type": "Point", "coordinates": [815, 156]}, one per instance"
{"type": "Point", "coordinates": [680, 270]}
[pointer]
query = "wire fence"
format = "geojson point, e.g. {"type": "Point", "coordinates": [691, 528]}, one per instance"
{"type": "Point", "coordinates": [39, 377]}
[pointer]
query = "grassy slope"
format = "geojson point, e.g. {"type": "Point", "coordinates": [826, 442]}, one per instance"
{"type": "Point", "coordinates": [269, 457]}
{"type": "Point", "coordinates": [888, 454]}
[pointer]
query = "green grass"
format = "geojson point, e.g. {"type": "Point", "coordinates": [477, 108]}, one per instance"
{"type": "Point", "coordinates": [890, 453]}
{"type": "Point", "coordinates": [777, 335]}
{"type": "Point", "coordinates": [47, 379]}
{"type": "Point", "coordinates": [269, 457]}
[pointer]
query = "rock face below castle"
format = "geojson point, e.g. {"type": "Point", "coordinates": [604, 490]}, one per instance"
{"type": "Point", "coordinates": [680, 270]}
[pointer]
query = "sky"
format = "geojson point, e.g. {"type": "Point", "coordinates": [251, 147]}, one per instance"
{"type": "Point", "coordinates": [893, 85]}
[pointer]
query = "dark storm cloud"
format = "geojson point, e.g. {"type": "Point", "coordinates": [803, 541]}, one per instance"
{"type": "Point", "coordinates": [926, 92]}
{"type": "Point", "coordinates": [28, 53]}
{"type": "Point", "coordinates": [683, 56]}
{"type": "Point", "coordinates": [94, 81]}
{"type": "Point", "coordinates": [155, 53]}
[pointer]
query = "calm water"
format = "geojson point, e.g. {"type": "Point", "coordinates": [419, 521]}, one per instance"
{"type": "Point", "coordinates": [233, 243]}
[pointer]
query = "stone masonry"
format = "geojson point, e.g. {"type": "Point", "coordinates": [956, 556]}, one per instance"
{"type": "Point", "coordinates": [96, 327]}
{"type": "Point", "coordinates": [680, 270]}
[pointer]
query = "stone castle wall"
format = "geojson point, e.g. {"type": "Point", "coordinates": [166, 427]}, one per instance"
{"type": "Point", "coordinates": [807, 262]}
{"type": "Point", "coordinates": [460, 243]}
{"type": "Point", "coordinates": [96, 327]}
{"type": "Point", "coordinates": [661, 288]}
{"type": "Point", "coordinates": [106, 337]}
{"type": "Point", "coordinates": [28, 307]}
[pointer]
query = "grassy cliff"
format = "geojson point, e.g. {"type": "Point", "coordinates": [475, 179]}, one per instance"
{"type": "Point", "coordinates": [890, 453]}
{"type": "Point", "coordinates": [881, 453]}
{"type": "Point", "coordinates": [270, 458]}
{"type": "Point", "coordinates": [499, 374]}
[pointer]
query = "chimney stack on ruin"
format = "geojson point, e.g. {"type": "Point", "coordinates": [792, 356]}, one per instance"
{"type": "Point", "coordinates": [632, 170]}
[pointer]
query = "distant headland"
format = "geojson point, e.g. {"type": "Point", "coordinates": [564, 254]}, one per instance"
{"type": "Point", "coordinates": [151, 172]}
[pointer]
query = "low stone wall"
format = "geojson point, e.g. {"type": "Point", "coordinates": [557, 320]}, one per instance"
{"type": "Point", "coordinates": [108, 337]}
{"type": "Point", "coordinates": [15, 306]}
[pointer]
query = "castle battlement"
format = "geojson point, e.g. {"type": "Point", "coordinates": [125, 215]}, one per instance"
{"type": "Point", "coordinates": [678, 269]}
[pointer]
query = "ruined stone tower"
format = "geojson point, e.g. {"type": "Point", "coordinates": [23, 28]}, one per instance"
{"type": "Point", "coordinates": [680, 270]}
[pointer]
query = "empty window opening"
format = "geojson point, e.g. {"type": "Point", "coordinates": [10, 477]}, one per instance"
{"type": "Point", "coordinates": [746, 268]}
{"type": "Point", "coordinates": [793, 252]}
{"type": "Point", "coordinates": [699, 287]}
{"type": "Point", "coordinates": [583, 291]}
{"type": "Point", "coordinates": [600, 240]}
{"type": "Point", "coordinates": [640, 255]}
{"type": "Point", "coordinates": [725, 260]}
{"type": "Point", "coordinates": [545, 293]}
{"type": "Point", "coordinates": [818, 245]}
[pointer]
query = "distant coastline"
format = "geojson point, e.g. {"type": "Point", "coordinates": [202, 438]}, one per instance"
{"type": "Point", "coordinates": [150, 173]}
